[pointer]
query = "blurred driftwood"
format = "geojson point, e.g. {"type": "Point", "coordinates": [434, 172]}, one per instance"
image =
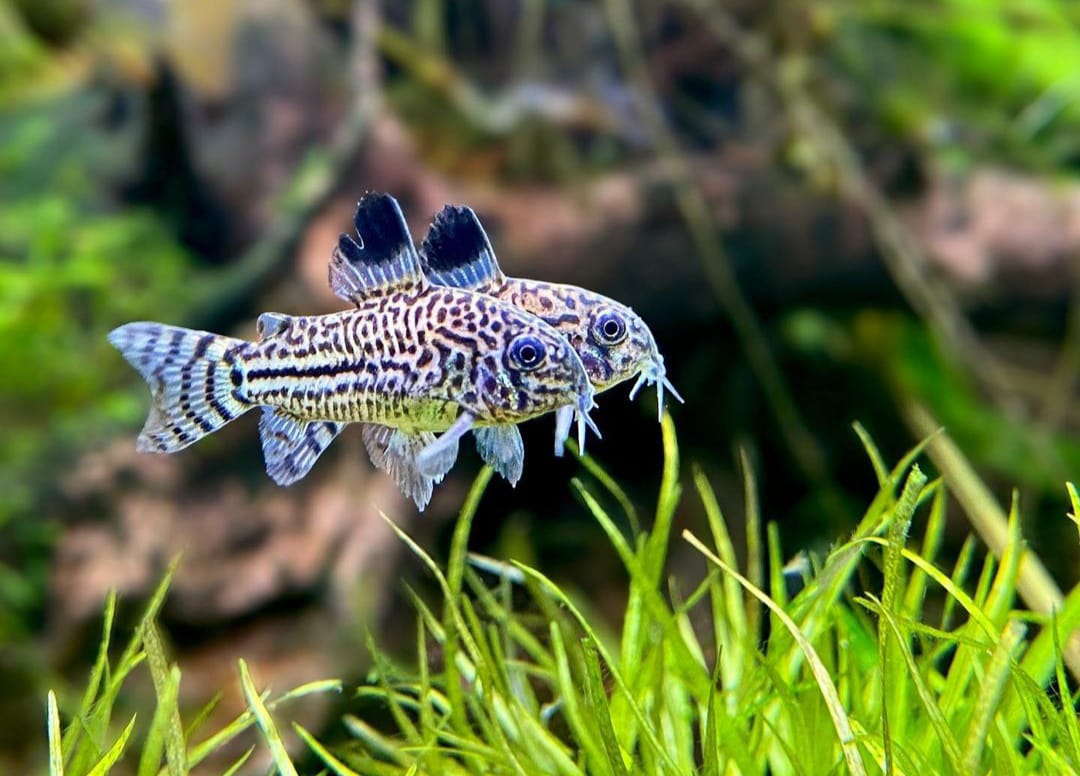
{"type": "Point", "coordinates": [290, 184]}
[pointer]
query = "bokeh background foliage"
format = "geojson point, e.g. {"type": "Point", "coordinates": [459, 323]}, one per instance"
{"type": "Point", "coordinates": [828, 210]}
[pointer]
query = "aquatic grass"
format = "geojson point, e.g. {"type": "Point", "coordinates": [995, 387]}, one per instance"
{"type": "Point", "coordinates": [925, 673]}
{"type": "Point", "coordinates": [889, 658]}
{"type": "Point", "coordinates": [96, 739]}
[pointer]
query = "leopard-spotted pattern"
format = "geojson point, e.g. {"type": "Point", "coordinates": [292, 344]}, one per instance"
{"type": "Point", "coordinates": [408, 359]}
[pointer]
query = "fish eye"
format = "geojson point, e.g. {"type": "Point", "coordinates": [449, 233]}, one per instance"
{"type": "Point", "coordinates": [609, 328]}
{"type": "Point", "coordinates": [527, 352]}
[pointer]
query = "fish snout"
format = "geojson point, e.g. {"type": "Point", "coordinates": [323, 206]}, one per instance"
{"type": "Point", "coordinates": [655, 373]}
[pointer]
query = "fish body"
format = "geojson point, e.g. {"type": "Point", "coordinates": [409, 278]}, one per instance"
{"type": "Point", "coordinates": [409, 360]}
{"type": "Point", "coordinates": [613, 342]}
{"type": "Point", "coordinates": [412, 361]}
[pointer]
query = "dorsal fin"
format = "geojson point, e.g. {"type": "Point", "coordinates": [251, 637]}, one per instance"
{"type": "Point", "coordinates": [383, 258]}
{"type": "Point", "coordinates": [271, 324]}
{"type": "Point", "coordinates": [456, 251]}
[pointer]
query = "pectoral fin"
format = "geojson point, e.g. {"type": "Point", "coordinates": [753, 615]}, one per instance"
{"type": "Point", "coordinates": [501, 447]}
{"type": "Point", "coordinates": [291, 445]}
{"type": "Point", "coordinates": [437, 458]}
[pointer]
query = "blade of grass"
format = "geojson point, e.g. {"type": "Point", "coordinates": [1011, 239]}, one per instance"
{"type": "Point", "coordinates": [101, 665]}
{"type": "Point", "coordinates": [990, 692]}
{"type": "Point", "coordinates": [376, 742]}
{"type": "Point", "coordinates": [110, 758]}
{"type": "Point", "coordinates": [99, 713]}
{"type": "Point", "coordinates": [657, 543]}
{"type": "Point", "coordinates": [404, 725]}
{"type": "Point", "coordinates": [821, 675]}
{"type": "Point", "coordinates": [893, 581]}
{"type": "Point", "coordinates": [585, 728]}
{"type": "Point", "coordinates": [939, 725]}
{"type": "Point", "coordinates": [56, 751]}
{"type": "Point", "coordinates": [881, 471]}
{"type": "Point", "coordinates": [160, 727]}
{"type": "Point", "coordinates": [755, 571]}
{"type": "Point", "coordinates": [266, 723]}
{"type": "Point", "coordinates": [598, 705]}
{"type": "Point", "coordinates": [729, 609]}
{"type": "Point", "coordinates": [333, 763]}
{"type": "Point", "coordinates": [203, 714]}
{"type": "Point", "coordinates": [236, 766]}
{"type": "Point", "coordinates": [454, 574]}
{"type": "Point", "coordinates": [1072, 729]}
{"type": "Point", "coordinates": [166, 687]}
{"type": "Point", "coordinates": [612, 487]}
{"type": "Point", "coordinates": [1074, 499]}
{"type": "Point", "coordinates": [932, 536]}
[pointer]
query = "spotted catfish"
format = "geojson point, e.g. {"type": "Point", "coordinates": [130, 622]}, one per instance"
{"type": "Point", "coordinates": [612, 340]}
{"type": "Point", "coordinates": [410, 360]}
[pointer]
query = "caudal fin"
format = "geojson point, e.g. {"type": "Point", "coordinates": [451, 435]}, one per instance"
{"type": "Point", "coordinates": [192, 383]}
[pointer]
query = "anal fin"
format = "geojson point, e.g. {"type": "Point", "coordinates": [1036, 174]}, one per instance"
{"type": "Point", "coordinates": [501, 447]}
{"type": "Point", "coordinates": [396, 453]}
{"type": "Point", "coordinates": [291, 445]}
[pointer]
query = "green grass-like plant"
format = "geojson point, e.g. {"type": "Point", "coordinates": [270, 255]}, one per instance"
{"type": "Point", "coordinates": [884, 661]}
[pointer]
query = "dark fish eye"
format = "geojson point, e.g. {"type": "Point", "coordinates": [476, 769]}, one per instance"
{"type": "Point", "coordinates": [527, 352]}
{"type": "Point", "coordinates": [609, 329]}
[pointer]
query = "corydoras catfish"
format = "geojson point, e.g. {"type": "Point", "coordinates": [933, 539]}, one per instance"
{"type": "Point", "coordinates": [614, 343]}
{"type": "Point", "coordinates": [409, 360]}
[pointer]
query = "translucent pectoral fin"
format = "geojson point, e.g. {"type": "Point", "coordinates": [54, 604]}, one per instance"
{"type": "Point", "coordinates": [502, 448]}
{"type": "Point", "coordinates": [436, 458]}
{"type": "Point", "coordinates": [291, 445]}
{"type": "Point", "coordinates": [564, 418]}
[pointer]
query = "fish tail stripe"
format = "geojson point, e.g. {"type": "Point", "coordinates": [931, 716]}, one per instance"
{"type": "Point", "coordinates": [188, 374]}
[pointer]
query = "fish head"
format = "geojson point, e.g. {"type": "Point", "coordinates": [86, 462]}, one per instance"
{"type": "Point", "coordinates": [534, 370]}
{"type": "Point", "coordinates": [639, 356]}
{"type": "Point", "coordinates": [613, 341]}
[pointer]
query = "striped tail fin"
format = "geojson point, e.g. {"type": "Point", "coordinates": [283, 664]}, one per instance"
{"type": "Point", "coordinates": [192, 382]}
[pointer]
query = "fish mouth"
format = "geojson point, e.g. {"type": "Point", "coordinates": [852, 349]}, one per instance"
{"type": "Point", "coordinates": [654, 372]}
{"type": "Point", "coordinates": [564, 417]}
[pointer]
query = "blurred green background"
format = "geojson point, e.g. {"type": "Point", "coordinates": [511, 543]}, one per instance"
{"type": "Point", "coordinates": [828, 211]}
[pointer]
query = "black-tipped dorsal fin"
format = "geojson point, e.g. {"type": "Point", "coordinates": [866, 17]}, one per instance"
{"type": "Point", "coordinates": [383, 258]}
{"type": "Point", "coordinates": [456, 251]}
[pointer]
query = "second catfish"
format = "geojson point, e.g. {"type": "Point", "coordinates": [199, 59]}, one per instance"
{"type": "Point", "coordinates": [614, 343]}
